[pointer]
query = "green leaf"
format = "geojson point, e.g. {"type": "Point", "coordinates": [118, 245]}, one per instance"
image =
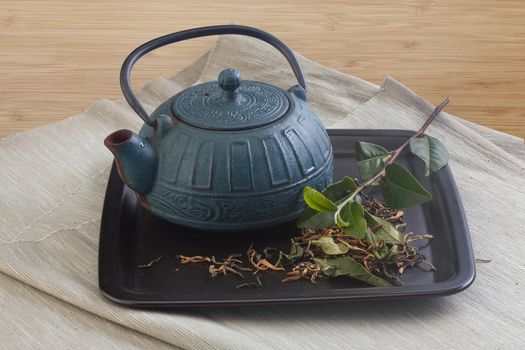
{"type": "Point", "coordinates": [315, 220]}
{"type": "Point", "coordinates": [369, 238]}
{"type": "Point", "coordinates": [346, 266]}
{"type": "Point", "coordinates": [382, 230]}
{"type": "Point", "coordinates": [392, 253]}
{"type": "Point", "coordinates": [387, 254]}
{"type": "Point", "coordinates": [370, 159]}
{"type": "Point", "coordinates": [381, 253]}
{"type": "Point", "coordinates": [329, 246]}
{"type": "Point", "coordinates": [420, 147]}
{"type": "Point", "coordinates": [340, 189]}
{"type": "Point", "coordinates": [401, 189]}
{"type": "Point", "coordinates": [311, 218]}
{"type": "Point", "coordinates": [431, 151]}
{"type": "Point", "coordinates": [317, 201]}
{"type": "Point", "coordinates": [296, 252]}
{"type": "Point", "coordinates": [438, 154]}
{"type": "Point", "coordinates": [366, 150]}
{"type": "Point", "coordinates": [339, 221]}
{"type": "Point", "coordinates": [354, 213]}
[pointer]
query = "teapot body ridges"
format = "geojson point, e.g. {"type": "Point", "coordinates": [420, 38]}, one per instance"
{"type": "Point", "coordinates": [224, 180]}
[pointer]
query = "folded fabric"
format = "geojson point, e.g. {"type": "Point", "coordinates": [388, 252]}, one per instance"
{"type": "Point", "coordinates": [53, 184]}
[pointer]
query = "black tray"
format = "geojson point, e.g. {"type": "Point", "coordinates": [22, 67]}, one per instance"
{"type": "Point", "coordinates": [131, 236]}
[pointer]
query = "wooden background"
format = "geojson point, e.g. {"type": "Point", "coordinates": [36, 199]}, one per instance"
{"type": "Point", "coordinates": [59, 56]}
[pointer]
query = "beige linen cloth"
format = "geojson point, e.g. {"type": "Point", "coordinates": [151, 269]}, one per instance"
{"type": "Point", "coordinates": [52, 188]}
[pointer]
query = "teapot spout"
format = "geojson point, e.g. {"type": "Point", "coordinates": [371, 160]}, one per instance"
{"type": "Point", "coordinates": [136, 159]}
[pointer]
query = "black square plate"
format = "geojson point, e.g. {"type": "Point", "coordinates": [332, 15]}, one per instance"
{"type": "Point", "coordinates": [131, 236]}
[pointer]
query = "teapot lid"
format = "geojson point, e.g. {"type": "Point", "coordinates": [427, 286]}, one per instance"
{"type": "Point", "coordinates": [230, 103]}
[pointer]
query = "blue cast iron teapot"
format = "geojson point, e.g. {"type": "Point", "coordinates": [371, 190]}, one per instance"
{"type": "Point", "coordinates": [230, 154]}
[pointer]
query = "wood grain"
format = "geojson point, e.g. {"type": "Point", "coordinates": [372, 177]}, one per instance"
{"type": "Point", "coordinates": [59, 56]}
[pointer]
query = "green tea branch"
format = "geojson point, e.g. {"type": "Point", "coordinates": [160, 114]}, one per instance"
{"type": "Point", "coordinates": [344, 208]}
{"type": "Point", "coordinates": [393, 157]}
{"type": "Point", "coordinates": [420, 132]}
{"type": "Point", "coordinates": [378, 166]}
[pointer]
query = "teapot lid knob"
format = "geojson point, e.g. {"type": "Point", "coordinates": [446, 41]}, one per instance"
{"type": "Point", "coordinates": [229, 79]}
{"type": "Point", "coordinates": [231, 103]}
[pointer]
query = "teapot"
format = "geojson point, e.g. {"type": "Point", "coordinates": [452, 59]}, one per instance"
{"type": "Point", "coordinates": [226, 155]}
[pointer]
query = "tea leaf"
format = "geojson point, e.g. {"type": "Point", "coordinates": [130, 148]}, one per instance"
{"type": "Point", "coordinates": [315, 220]}
{"type": "Point", "coordinates": [296, 252]}
{"type": "Point", "coordinates": [339, 221]}
{"type": "Point", "coordinates": [401, 189]}
{"type": "Point", "coordinates": [382, 230]}
{"type": "Point", "coordinates": [420, 147]}
{"type": "Point", "coordinates": [367, 150]}
{"type": "Point", "coordinates": [340, 189]}
{"type": "Point", "coordinates": [371, 159]}
{"type": "Point", "coordinates": [431, 151]}
{"type": "Point", "coordinates": [381, 253]}
{"type": "Point", "coordinates": [317, 201]}
{"type": "Point", "coordinates": [329, 246]}
{"type": "Point", "coordinates": [311, 218]}
{"type": "Point", "coordinates": [346, 266]}
{"type": "Point", "coordinates": [392, 253]}
{"type": "Point", "coordinates": [438, 154]}
{"type": "Point", "coordinates": [354, 213]}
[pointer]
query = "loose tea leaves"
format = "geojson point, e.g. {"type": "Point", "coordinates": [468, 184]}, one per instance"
{"type": "Point", "coordinates": [378, 259]}
{"type": "Point", "coordinates": [329, 246]}
{"type": "Point", "coordinates": [346, 266]}
{"type": "Point", "coordinates": [296, 252]}
{"type": "Point", "coordinates": [345, 232]}
{"type": "Point", "coordinates": [259, 263]}
{"type": "Point", "coordinates": [229, 265]}
{"type": "Point", "coordinates": [151, 263]}
{"type": "Point", "coordinates": [383, 230]}
{"type": "Point", "coordinates": [302, 270]}
{"type": "Point", "coordinates": [385, 254]}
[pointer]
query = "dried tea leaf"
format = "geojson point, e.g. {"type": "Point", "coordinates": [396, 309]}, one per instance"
{"type": "Point", "coordinates": [296, 252]}
{"type": "Point", "coordinates": [264, 264]}
{"type": "Point", "coordinates": [151, 263]}
{"type": "Point", "coordinates": [346, 266]}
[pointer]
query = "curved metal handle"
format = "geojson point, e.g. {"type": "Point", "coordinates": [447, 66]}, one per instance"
{"type": "Point", "coordinates": [125, 71]}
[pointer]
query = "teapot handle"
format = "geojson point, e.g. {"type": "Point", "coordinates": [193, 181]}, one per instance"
{"type": "Point", "coordinates": [140, 51]}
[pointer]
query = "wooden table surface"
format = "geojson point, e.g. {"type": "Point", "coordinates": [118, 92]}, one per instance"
{"type": "Point", "coordinates": [59, 56]}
